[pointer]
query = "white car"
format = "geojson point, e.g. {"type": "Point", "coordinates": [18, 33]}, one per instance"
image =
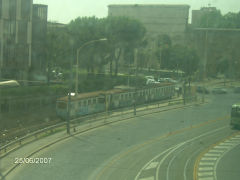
{"type": "Point", "coordinates": [149, 77]}
{"type": "Point", "coordinates": [151, 81]}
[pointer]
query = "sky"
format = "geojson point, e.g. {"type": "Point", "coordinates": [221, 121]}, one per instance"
{"type": "Point", "coordinates": [63, 11]}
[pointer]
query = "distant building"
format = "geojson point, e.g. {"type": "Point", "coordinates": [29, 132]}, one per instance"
{"type": "Point", "coordinates": [39, 32]}
{"type": "Point", "coordinates": [158, 19]}
{"type": "Point", "coordinates": [55, 25]}
{"type": "Point", "coordinates": [22, 35]}
{"type": "Point", "coordinates": [198, 14]}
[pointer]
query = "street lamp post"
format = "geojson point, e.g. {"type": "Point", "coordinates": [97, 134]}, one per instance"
{"type": "Point", "coordinates": [77, 64]}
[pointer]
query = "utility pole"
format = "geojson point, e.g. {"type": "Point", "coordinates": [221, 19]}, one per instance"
{"type": "Point", "coordinates": [135, 89]}
{"type": "Point", "coordinates": [205, 58]}
{"type": "Point", "coordinates": [69, 97]}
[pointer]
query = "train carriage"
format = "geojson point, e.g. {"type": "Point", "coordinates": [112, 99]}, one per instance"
{"type": "Point", "coordinates": [121, 96]}
{"type": "Point", "coordinates": [81, 104]}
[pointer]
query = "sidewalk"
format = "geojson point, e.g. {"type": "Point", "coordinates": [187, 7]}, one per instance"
{"type": "Point", "coordinates": [7, 162]}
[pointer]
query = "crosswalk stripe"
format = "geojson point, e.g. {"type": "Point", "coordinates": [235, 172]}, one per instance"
{"type": "Point", "coordinates": [227, 144]}
{"type": "Point", "coordinates": [205, 174]}
{"type": "Point", "coordinates": [221, 147]}
{"type": "Point", "coordinates": [206, 178]}
{"type": "Point", "coordinates": [209, 159]}
{"type": "Point", "coordinates": [205, 168]}
{"type": "Point", "coordinates": [212, 154]}
{"type": "Point", "coordinates": [206, 163]}
{"type": "Point", "coordinates": [216, 151]}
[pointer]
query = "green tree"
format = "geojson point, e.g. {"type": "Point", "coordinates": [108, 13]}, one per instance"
{"type": "Point", "coordinates": [163, 50]}
{"type": "Point", "coordinates": [211, 19]}
{"type": "Point", "coordinates": [58, 49]}
{"type": "Point", "coordinates": [230, 20]}
{"type": "Point", "coordinates": [85, 30]}
{"type": "Point", "coordinates": [185, 59]}
{"type": "Point", "coordinates": [123, 33]}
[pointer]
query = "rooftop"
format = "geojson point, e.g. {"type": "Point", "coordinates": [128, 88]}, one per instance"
{"type": "Point", "coordinates": [150, 5]}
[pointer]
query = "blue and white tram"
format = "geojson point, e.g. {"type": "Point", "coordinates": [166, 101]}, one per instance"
{"type": "Point", "coordinates": [89, 103]}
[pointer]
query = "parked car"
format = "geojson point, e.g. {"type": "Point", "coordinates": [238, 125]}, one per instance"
{"type": "Point", "coordinates": [167, 80]}
{"type": "Point", "coordinates": [161, 80]}
{"type": "Point", "coordinates": [149, 77]}
{"type": "Point", "coordinates": [201, 89]}
{"type": "Point", "coordinates": [219, 91]}
{"type": "Point", "coordinates": [151, 81]}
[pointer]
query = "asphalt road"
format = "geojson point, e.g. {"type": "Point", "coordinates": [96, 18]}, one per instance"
{"type": "Point", "coordinates": [228, 166]}
{"type": "Point", "coordinates": [157, 146]}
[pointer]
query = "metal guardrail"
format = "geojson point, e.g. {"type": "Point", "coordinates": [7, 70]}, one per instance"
{"type": "Point", "coordinates": [87, 121]}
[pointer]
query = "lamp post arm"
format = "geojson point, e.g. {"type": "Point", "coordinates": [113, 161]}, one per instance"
{"type": "Point", "coordinates": [77, 64]}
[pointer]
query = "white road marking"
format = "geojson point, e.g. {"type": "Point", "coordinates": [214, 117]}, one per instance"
{"type": "Point", "coordinates": [236, 138]}
{"type": "Point", "coordinates": [205, 168]}
{"type": "Point", "coordinates": [222, 147]}
{"type": "Point", "coordinates": [163, 159]}
{"type": "Point", "coordinates": [206, 163]}
{"type": "Point", "coordinates": [171, 150]}
{"type": "Point", "coordinates": [231, 147]}
{"type": "Point", "coordinates": [185, 168]}
{"type": "Point", "coordinates": [170, 163]}
{"type": "Point", "coordinates": [209, 159]}
{"type": "Point", "coordinates": [152, 165]}
{"type": "Point", "coordinates": [206, 178]}
{"type": "Point", "coordinates": [148, 178]}
{"type": "Point", "coordinates": [216, 151]}
{"type": "Point", "coordinates": [212, 154]}
{"type": "Point", "coordinates": [205, 174]}
{"type": "Point", "coordinates": [227, 144]}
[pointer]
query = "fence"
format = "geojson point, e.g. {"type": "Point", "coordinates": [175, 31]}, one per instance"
{"type": "Point", "coordinates": [92, 121]}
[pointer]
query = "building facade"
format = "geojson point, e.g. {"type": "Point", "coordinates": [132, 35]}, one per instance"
{"type": "Point", "coordinates": [18, 26]}
{"type": "Point", "coordinates": [158, 19]}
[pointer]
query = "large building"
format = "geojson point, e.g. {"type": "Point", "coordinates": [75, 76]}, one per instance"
{"type": "Point", "coordinates": [198, 14]}
{"type": "Point", "coordinates": [22, 33]}
{"type": "Point", "coordinates": [158, 19]}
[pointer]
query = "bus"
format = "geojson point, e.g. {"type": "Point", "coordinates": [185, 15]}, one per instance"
{"type": "Point", "coordinates": [235, 115]}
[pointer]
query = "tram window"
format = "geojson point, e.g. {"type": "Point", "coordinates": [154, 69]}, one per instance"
{"type": "Point", "coordinates": [79, 103]}
{"type": "Point", "coordinates": [94, 101]}
{"type": "Point", "coordinates": [89, 101]}
{"type": "Point", "coordinates": [84, 102]}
